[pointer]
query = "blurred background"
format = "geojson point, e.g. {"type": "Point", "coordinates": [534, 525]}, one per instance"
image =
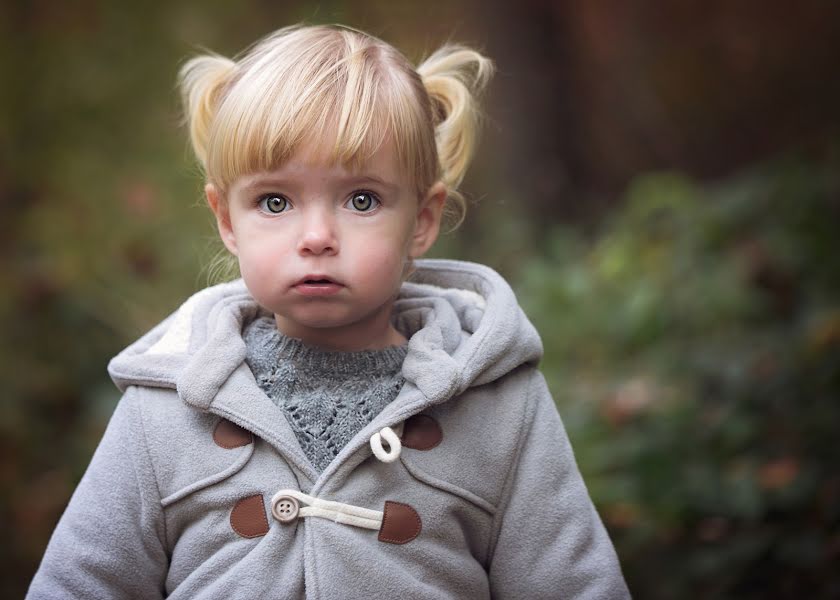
{"type": "Point", "coordinates": [659, 181]}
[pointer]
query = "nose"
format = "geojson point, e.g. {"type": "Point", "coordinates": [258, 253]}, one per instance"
{"type": "Point", "coordinates": [319, 235]}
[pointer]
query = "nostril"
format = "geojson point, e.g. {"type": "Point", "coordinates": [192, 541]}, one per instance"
{"type": "Point", "coordinates": [317, 249]}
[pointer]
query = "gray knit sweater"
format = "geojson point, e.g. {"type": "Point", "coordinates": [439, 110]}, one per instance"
{"type": "Point", "coordinates": [328, 397]}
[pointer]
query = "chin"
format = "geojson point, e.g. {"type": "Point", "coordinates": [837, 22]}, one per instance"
{"type": "Point", "coordinates": [323, 318]}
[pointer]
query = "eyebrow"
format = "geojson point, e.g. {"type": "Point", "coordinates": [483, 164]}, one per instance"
{"type": "Point", "coordinates": [267, 181]}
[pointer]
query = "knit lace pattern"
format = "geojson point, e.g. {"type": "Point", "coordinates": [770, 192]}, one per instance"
{"type": "Point", "coordinates": [327, 396]}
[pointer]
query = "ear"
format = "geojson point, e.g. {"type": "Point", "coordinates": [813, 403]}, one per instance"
{"type": "Point", "coordinates": [427, 225]}
{"type": "Point", "coordinates": [220, 209]}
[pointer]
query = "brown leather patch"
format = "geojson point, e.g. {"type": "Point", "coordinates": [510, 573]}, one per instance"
{"type": "Point", "coordinates": [248, 517]}
{"type": "Point", "coordinates": [230, 435]}
{"type": "Point", "coordinates": [400, 523]}
{"type": "Point", "coordinates": [421, 432]}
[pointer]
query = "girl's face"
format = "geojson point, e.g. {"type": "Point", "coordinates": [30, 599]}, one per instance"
{"type": "Point", "coordinates": [324, 248]}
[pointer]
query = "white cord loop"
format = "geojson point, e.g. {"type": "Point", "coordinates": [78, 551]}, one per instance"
{"type": "Point", "coordinates": [326, 509]}
{"type": "Point", "coordinates": [393, 441]}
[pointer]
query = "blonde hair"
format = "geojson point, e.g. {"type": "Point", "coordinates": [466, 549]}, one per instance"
{"type": "Point", "coordinates": [251, 114]}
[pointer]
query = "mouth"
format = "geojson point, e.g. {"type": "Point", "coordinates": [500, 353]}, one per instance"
{"type": "Point", "coordinates": [317, 280]}
{"type": "Point", "coordinates": [317, 285]}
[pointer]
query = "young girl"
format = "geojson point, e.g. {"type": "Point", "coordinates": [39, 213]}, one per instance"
{"type": "Point", "coordinates": [342, 421]}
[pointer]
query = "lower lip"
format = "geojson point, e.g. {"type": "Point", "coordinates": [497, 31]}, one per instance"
{"type": "Point", "coordinates": [318, 289]}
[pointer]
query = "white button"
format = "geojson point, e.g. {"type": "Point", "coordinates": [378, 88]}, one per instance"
{"type": "Point", "coordinates": [285, 508]}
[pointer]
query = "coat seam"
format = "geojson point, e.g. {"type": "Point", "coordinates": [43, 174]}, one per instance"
{"type": "Point", "coordinates": [447, 487]}
{"type": "Point", "coordinates": [144, 448]}
{"type": "Point", "coordinates": [513, 467]}
{"type": "Point", "coordinates": [151, 381]}
{"type": "Point", "coordinates": [226, 473]}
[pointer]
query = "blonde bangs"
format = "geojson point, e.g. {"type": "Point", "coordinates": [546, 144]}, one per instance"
{"type": "Point", "coordinates": [323, 84]}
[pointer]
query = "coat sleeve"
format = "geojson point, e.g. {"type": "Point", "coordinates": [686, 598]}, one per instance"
{"type": "Point", "coordinates": [109, 543]}
{"type": "Point", "coordinates": [549, 541]}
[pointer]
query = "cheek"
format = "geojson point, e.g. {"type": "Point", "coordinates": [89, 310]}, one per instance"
{"type": "Point", "coordinates": [256, 276]}
{"type": "Point", "coordinates": [260, 255]}
{"type": "Point", "coordinates": [379, 261]}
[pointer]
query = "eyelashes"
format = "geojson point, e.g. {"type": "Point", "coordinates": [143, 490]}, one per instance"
{"type": "Point", "coordinates": [363, 201]}
{"type": "Point", "coordinates": [273, 203]}
{"type": "Point", "coordinates": [360, 201]}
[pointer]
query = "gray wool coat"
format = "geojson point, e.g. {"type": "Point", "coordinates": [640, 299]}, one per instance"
{"type": "Point", "coordinates": [199, 488]}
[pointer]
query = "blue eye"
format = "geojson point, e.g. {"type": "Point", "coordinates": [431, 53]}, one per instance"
{"type": "Point", "coordinates": [363, 201]}
{"type": "Point", "coordinates": [274, 204]}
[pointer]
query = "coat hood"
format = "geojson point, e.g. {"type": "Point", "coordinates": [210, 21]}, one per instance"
{"type": "Point", "coordinates": [464, 325]}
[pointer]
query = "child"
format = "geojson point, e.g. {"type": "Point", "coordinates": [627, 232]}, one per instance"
{"type": "Point", "coordinates": [340, 422]}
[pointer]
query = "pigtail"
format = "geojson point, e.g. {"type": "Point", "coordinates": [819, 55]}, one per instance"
{"type": "Point", "coordinates": [454, 76]}
{"type": "Point", "coordinates": [201, 80]}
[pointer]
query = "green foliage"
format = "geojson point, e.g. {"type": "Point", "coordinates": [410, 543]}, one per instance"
{"type": "Point", "coordinates": [694, 348]}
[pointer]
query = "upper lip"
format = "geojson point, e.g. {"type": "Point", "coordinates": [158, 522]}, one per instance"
{"type": "Point", "coordinates": [317, 277]}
